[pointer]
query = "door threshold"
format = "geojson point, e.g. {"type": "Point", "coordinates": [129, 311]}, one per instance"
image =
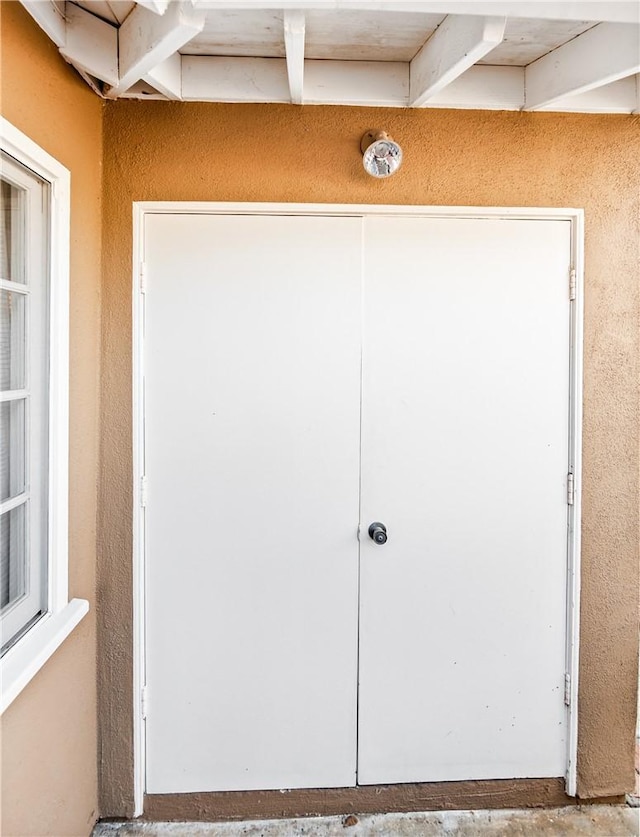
{"type": "Point", "coordinates": [223, 806]}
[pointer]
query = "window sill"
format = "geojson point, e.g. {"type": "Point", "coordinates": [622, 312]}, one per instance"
{"type": "Point", "coordinates": [22, 662]}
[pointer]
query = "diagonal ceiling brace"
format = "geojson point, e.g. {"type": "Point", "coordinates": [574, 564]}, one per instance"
{"type": "Point", "coordinates": [91, 44]}
{"type": "Point", "coordinates": [601, 55]}
{"type": "Point", "coordinates": [456, 45]}
{"type": "Point", "coordinates": [147, 39]}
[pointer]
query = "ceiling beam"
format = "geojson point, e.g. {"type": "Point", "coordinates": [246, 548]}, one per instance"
{"type": "Point", "coordinates": [49, 18]}
{"type": "Point", "coordinates": [457, 44]}
{"type": "Point", "coordinates": [601, 55]}
{"type": "Point", "coordinates": [91, 44]}
{"type": "Point", "coordinates": [615, 11]}
{"type": "Point", "coordinates": [375, 84]}
{"type": "Point", "coordinates": [294, 32]}
{"type": "Point", "coordinates": [147, 39]}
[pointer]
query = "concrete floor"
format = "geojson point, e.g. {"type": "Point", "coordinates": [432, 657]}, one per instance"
{"type": "Point", "coordinates": [601, 820]}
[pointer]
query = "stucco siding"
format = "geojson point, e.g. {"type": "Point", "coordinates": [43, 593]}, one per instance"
{"type": "Point", "coordinates": [49, 742]}
{"type": "Point", "coordinates": [210, 152]}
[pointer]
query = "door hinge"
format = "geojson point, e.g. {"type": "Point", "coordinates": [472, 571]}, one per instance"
{"type": "Point", "coordinates": [143, 277]}
{"type": "Point", "coordinates": [571, 489]}
{"type": "Point", "coordinates": [572, 284]}
{"type": "Point", "coordinates": [143, 492]}
{"type": "Point", "coordinates": [144, 697]}
{"type": "Point", "coordinates": [567, 690]}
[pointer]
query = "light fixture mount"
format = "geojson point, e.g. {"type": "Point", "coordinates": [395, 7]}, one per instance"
{"type": "Point", "coordinates": [381, 155]}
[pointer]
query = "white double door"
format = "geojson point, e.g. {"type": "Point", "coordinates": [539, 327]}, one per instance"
{"type": "Point", "coordinates": [305, 376]}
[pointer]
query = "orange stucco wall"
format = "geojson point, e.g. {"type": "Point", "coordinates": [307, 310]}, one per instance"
{"type": "Point", "coordinates": [208, 152]}
{"type": "Point", "coordinates": [49, 758]}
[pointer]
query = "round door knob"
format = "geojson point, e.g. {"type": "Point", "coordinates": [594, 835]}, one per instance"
{"type": "Point", "coordinates": [378, 533]}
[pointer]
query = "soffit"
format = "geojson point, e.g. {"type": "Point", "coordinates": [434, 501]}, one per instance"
{"type": "Point", "coordinates": [579, 56]}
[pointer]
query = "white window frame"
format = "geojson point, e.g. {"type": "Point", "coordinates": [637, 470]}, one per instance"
{"type": "Point", "coordinates": [29, 653]}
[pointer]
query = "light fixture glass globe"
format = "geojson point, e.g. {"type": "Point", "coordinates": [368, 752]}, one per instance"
{"type": "Point", "coordinates": [382, 158]}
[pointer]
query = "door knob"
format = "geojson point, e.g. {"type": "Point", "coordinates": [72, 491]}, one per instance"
{"type": "Point", "coordinates": [378, 533]}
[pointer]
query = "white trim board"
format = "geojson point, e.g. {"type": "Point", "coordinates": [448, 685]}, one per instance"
{"type": "Point", "coordinates": [26, 658]}
{"type": "Point", "coordinates": [206, 78]}
{"type": "Point", "coordinates": [142, 208]}
{"type": "Point", "coordinates": [574, 216]}
{"type": "Point", "coordinates": [575, 510]}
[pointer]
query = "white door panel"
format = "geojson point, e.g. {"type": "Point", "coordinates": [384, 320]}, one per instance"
{"type": "Point", "coordinates": [252, 365]}
{"type": "Point", "coordinates": [464, 458]}
{"type": "Point", "coordinates": [268, 436]}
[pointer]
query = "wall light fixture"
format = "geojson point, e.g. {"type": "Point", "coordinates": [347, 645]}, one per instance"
{"type": "Point", "coordinates": [381, 156]}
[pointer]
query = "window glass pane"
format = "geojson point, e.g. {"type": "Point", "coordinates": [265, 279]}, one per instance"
{"type": "Point", "coordinates": [24, 366]}
{"type": "Point", "coordinates": [12, 340]}
{"type": "Point", "coordinates": [12, 448]}
{"type": "Point", "coordinates": [12, 232]}
{"type": "Point", "coordinates": [13, 570]}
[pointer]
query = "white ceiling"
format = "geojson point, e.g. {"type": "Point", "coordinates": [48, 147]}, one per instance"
{"type": "Point", "coordinates": [578, 56]}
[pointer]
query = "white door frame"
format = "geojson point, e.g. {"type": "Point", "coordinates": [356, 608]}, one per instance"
{"type": "Point", "coordinates": [576, 281]}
